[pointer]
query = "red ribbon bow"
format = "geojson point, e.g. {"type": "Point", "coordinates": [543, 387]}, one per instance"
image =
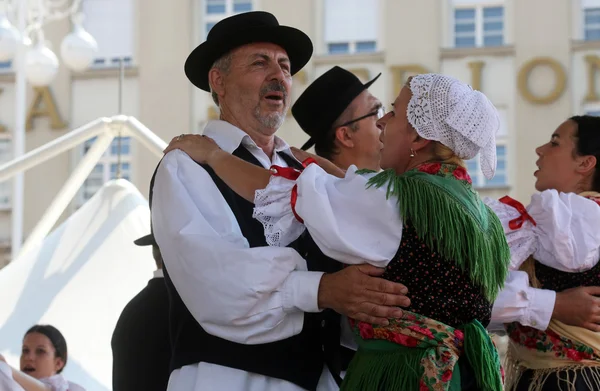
{"type": "Point", "coordinates": [518, 222]}
{"type": "Point", "coordinates": [292, 174]}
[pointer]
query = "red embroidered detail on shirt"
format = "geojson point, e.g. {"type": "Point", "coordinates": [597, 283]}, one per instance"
{"type": "Point", "coordinates": [292, 174]}
{"type": "Point", "coordinates": [518, 222]}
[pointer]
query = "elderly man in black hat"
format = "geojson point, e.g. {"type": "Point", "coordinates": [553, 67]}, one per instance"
{"type": "Point", "coordinates": [245, 316]}
{"type": "Point", "coordinates": [340, 115]}
{"type": "Point", "coordinates": [140, 341]}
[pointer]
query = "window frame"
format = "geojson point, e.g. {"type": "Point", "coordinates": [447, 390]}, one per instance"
{"type": "Point", "coordinates": [112, 61]}
{"type": "Point", "coordinates": [106, 161]}
{"type": "Point", "coordinates": [352, 44]}
{"type": "Point", "coordinates": [351, 47]}
{"type": "Point", "coordinates": [7, 69]}
{"type": "Point", "coordinates": [216, 17]}
{"type": "Point", "coordinates": [479, 180]}
{"type": "Point", "coordinates": [585, 5]}
{"type": "Point", "coordinates": [502, 140]}
{"type": "Point", "coordinates": [479, 21]}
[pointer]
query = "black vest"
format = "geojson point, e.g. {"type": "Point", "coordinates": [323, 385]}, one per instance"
{"type": "Point", "coordinates": [558, 281]}
{"type": "Point", "coordinates": [298, 359]}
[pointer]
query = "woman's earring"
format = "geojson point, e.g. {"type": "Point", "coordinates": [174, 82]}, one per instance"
{"type": "Point", "coordinates": [412, 153]}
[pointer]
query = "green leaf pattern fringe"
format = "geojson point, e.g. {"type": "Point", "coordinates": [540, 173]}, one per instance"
{"type": "Point", "coordinates": [450, 217]}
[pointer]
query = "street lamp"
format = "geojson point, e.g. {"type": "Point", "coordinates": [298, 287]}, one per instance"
{"type": "Point", "coordinates": [37, 64]}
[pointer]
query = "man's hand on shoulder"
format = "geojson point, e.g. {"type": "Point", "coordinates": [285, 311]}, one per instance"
{"type": "Point", "coordinates": [358, 292]}
{"type": "Point", "coordinates": [579, 307]}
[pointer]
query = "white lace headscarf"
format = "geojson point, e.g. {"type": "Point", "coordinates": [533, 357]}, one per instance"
{"type": "Point", "coordinates": [446, 110]}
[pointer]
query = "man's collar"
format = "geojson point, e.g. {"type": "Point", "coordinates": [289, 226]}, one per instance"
{"type": "Point", "coordinates": [158, 273]}
{"type": "Point", "coordinates": [230, 137]}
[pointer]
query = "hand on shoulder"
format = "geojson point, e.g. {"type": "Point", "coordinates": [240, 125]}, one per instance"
{"type": "Point", "coordinates": [199, 148]}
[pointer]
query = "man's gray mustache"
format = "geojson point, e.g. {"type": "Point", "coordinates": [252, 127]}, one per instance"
{"type": "Point", "coordinates": [274, 87]}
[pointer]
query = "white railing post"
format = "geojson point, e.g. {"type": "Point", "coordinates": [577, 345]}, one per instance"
{"type": "Point", "coordinates": [145, 136]}
{"type": "Point", "coordinates": [18, 139]}
{"type": "Point", "coordinates": [68, 191]}
{"type": "Point", "coordinates": [53, 148]}
{"type": "Point", "coordinates": [105, 129]}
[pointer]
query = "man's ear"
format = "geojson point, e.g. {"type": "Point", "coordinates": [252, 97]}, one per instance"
{"type": "Point", "coordinates": [216, 81]}
{"type": "Point", "coordinates": [344, 135]}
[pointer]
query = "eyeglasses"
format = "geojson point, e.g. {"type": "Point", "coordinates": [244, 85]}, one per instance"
{"type": "Point", "coordinates": [380, 112]}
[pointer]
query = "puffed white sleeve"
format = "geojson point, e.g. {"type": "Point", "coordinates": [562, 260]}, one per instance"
{"type": "Point", "coordinates": [242, 294]}
{"type": "Point", "coordinates": [7, 383]}
{"type": "Point", "coordinates": [567, 230]}
{"type": "Point", "coordinates": [522, 241]}
{"type": "Point", "coordinates": [349, 222]}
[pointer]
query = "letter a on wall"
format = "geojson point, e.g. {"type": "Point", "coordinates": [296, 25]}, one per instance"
{"type": "Point", "coordinates": [44, 105]}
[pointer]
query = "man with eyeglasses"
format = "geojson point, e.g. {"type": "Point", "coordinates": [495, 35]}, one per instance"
{"type": "Point", "coordinates": [340, 115]}
{"type": "Point", "coordinates": [245, 315]}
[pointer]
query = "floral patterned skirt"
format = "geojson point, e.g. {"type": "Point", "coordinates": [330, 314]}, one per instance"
{"type": "Point", "coordinates": [415, 353]}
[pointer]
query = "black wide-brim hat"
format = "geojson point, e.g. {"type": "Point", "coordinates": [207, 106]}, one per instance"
{"type": "Point", "coordinates": [147, 240]}
{"type": "Point", "coordinates": [325, 100]}
{"type": "Point", "coordinates": [242, 29]}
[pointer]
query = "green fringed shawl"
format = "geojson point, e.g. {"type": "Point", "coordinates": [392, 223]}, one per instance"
{"type": "Point", "coordinates": [451, 218]}
{"type": "Point", "coordinates": [385, 365]}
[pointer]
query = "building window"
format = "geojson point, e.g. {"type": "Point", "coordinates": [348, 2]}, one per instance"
{"type": "Point", "coordinates": [591, 24]}
{"type": "Point", "coordinates": [351, 26]}
{"type": "Point", "coordinates": [5, 66]}
{"type": "Point", "coordinates": [107, 166]}
{"type": "Point", "coordinates": [215, 6]}
{"type": "Point", "coordinates": [476, 26]}
{"type": "Point", "coordinates": [500, 179]}
{"type": "Point", "coordinates": [5, 186]}
{"type": "Point", "coordinates": [111, 23]}
{"type": "Point", "coordinates": [215, 10]}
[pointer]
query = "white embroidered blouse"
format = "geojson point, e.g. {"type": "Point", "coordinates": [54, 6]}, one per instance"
{"type": "Point", "coordinates": [563, 231]}
{"type": "Point", "coordinates": [348, 221]}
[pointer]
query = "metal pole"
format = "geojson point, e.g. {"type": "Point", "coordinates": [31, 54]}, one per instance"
{"type": "Point", "coordinates": [121, 79]}
{"type": "Point", "coordinates": [68, 191]}
{"type": "Point", "coordinates": [18, 138]}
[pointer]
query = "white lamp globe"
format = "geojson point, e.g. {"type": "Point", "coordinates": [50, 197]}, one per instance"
{"type": "Point", "coordinates": [78, 49]}
{"type": "Point", "coordinates": [9, 39]}
{"type": "Point", "coordinates": [41, 65]}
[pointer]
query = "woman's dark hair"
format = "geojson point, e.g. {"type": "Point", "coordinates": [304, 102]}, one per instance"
{"type": "Point", "coordinates": [588, 142]}
{"type": "Point", "coordinates": [55, 337]}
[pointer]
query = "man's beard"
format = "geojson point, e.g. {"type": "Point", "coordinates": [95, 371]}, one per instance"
{"type": "Point", "coordinates": [272, 120]}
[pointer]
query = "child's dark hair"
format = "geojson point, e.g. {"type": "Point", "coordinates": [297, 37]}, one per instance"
{"type": "Point", "coordinates": [55, 337]}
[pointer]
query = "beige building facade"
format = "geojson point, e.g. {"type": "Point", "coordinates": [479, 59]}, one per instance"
{"type": "Point", "coordinates": [537, 60]}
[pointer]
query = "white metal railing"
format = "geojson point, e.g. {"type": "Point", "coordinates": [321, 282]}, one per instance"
{"type": "Point", "coordinates": [105, 129]}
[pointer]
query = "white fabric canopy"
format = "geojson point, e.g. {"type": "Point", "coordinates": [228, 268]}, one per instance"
{"type": "Point", "coordinates": [78, 280]}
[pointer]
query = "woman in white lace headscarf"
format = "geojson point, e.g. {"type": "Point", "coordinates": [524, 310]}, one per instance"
{"type": "Point", "coordinates": [420, 219]}
{"type": "Point", "coordinates": [43, 358]}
